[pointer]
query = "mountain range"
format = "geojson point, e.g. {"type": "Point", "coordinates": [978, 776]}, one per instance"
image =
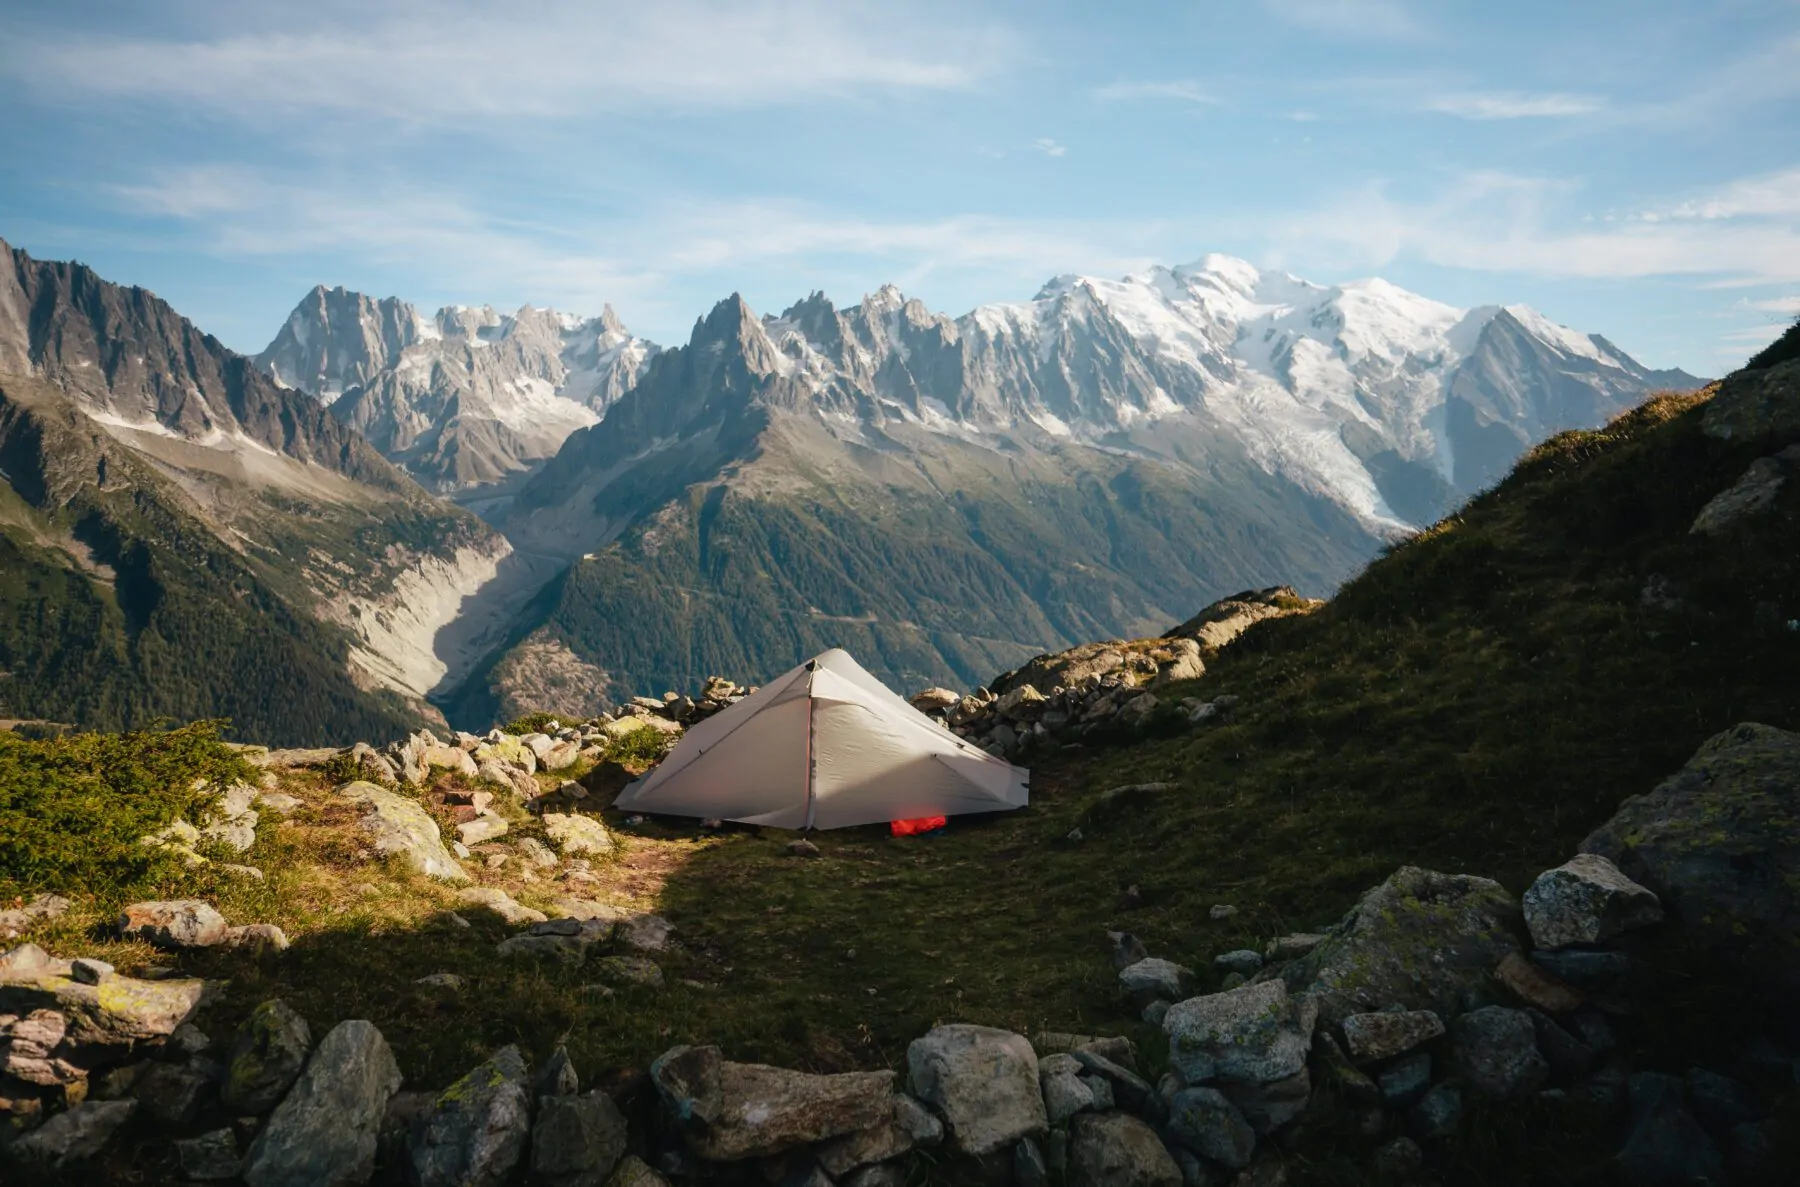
{"type": "Point", "coordinates": [944, 496]}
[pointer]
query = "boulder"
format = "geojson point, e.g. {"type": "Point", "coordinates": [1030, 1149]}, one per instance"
{"type": "Point", "coordinates": [181, 923]}
{"type": "Point", "coordinates": [1242, 961]}
{"type": "Point", "coordinates": [399, 825]}
{"type": "Point", "coordinates": [910, 1126]}
{"type": "Point", "coordinates": [1252, 1034]}
{"type": "Point", "coordinates": [173, 1093]}
{"type": "Point", "coordinates": [730, 1111]}
{"type": "Point", "coordinates": [1029, 1167]}
{"type": "Point", "coordinates": [1755, 404]}
{"type": "Point", "coordinates": [323, 1134]}
{"type": "Point", "coordinates": [1586, 900]}
{"type": "Point", "coordinates": [41, 909]}
{"type": "Point", "coordinates": [1496, 1053]}
{"type": "Point", "coordinates": [575, 835]}
{"type": "Point", "coordinates": [118, 1012]}
{"type": "Point", "coordinates": [1420, 940]}
{"type": "Point", "coordinates": [72, 1137]}
{"type": "Point", "coordinates": [635, 1172]}
{"type": "Point", "coordinates": [1405, 1080]}
{"type": "Point", "coordinates": [210, 1157]}
{"type": "Point", "coordinates": [1065, 1093]}
{"type": "Point", "coordinates": [257, 937]}
{"type": "Point", "coordinates": [500, 903]}
{"type": "Point", "coordinates": [576, 1140]}
{"type": "Point", "coordinates": [476, 1131]}
{"type": "Point", "coordinates": [1755, 491]}
{"type": "Point", "coordinates": [1719, 844]}
{"type": "Point", "coordinates": [1269, 1105]}
{"type": "Point", "coordinates": [643, 932]}
{"type": "Point", "coordinates": [28, 1050]}
{"type": "Point", "coordinates": [1204, 1121]}
{"type": "Point", "coordinates": [561, 756]}
{"type": "Point", "coordinates": [484, 827]}
{"type": "Point", "coordinates": [1372, 1037]}
{"type": "Point", "coordinates": [558, 1076]}
{"type": "Point", "coordinates": [1118, 1150]}
{"type": "Point", "coordinates": [1127, 1088]}
{"type": "Point", "coordinates": [267, 1055]}
{"type": "Point", "coordinates": [1438, 1113]}
{"type": "Point", "coordinates": [1665, 1146]}
{"type": "Point", "coordinates": [567, 950]}
{"type": "Point", "coordinates": [1220, 623]}
{"type": "Point", "coordinates": [982, 1081]}
{"type": "Point", "coordinates": [630, 970]}
{"type": "Point", "coordinates": [1154, 979]}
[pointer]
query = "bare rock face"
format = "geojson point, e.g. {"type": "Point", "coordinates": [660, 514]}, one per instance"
{"type": "Point", "coordinates": [982, 1081]}
{"type": "Point", "coordinates": [324, 1133]}
{"type": "Point", "coordinates": [476, 1131]}
{"type": "Point", "coordinates": [1586, 900]}
{"type": "Point", "coordinates": [730, 1111]}
{"type": "Point", "coordinates": [1220, 624]}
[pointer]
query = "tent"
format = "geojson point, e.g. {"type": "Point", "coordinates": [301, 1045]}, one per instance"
{"type": "Point", "coordinates": [825, 746]}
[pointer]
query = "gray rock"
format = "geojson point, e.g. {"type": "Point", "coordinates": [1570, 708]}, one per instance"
{"type": "Point", "coordinates": [447, 982]}
{"type": "Point", "coordinates": [1155, 1012]}
{"type": "Point", "coordinates": [173, 1093]}
{"type": "Point", "coordinates": [257, 937]}
{"type": "Point", "coordinates": [1372, 1037]}
{"type": "Point", "coordinates": [1117, 1048]}
{"type": "Point", "coordinates": [644, 933]}
{"type": "Point", "coordinates": [1252, 1034]}
{"type": "Point", "coordinates": [1420, 940]}
{"type": "Point", "coordinates": [568, 951]}
{"type": "Point", "coordinates": [1438, 1113]}
{"type": "Point", "coordinates": [41, 909]}
{"type": "Point", "coordinates": [476, 1131]}
{"type": "Point", "coordinates": [485, 827]}
{"type": "Point", "coordinates": [396, 824]}
{"type": "Point", "coordinates": [1753, 404]}
{"type": "Point", "coordinates": [1496, 1053]}
{"type": "Point", "coordinates": [1127, 949]}
{"type": "Point", "coordinates": [500, 903]}
{"type": "Point", "coordinates": [577, 836]}
{"type": "Point", "coordinates": [89, 971]}
{"type": "Point", "coordinates": [1719, 843]}
{"type": "Point", "coordinates": [630, 970]}
{"type": "Point", "coordinates": [1243, 961]}
{"type": "Point", "coordinates": [120, 1012]}
{"type": "Point", "coordinates": [1100, 1089]}
{"type": "Point", "coordinates": [910, 1126]}
{"type": "Point", "coordinates": [1128, 1089]}
{"type": "Point", "coordinates": [1220, 911]}
{"type": "Point", "coordinates": [882, 1174]}
{"type": "Point", "coordinates": [982, 1081]}
{"type": "Point", "coordinates": [1271, 1104]}
{"type": "Point", "coordinates": [1292, 947]}
{"type": "Point", "coordinates": [802, 848]}
{"type": "Point", "coordinates": [323, 1133]}
{"type": "Point", "coordinates": [211, 1156]}
{"type": "Point", "coordinates": [1666, 1144]}
{"type": "Point", "coordinates": [1204, 1121]}
{"type": "Point", "coordinates": [730, 1111]}
{"type": "Point", "coordinates": [1404, 1081]}
{"type": "Point", "coordinates": [536, 853]}
{"type": "Point", "coordinates": [1754, 492]}
{"type": "Point", "coordinates": [1596, 972]}
{"type": "Point", "coordinates": [267, 1055]}
{"type": "Point", "coordinates": [1118, 1150]}
{"type": "Point", "coordinates": [1569, 1058]}
{"type": "Point", "coordinates": [558, 1076]}
{"type": "Point", "coordinates": [72, 1137]}
{"type": "Point", "coordinates": [577, 1140]}
{"type": "Point", "coordinates": [1586, 900]}
{"type": "Point", "coordinates": [1029, 1167]}
{"type": "Point", "coordinates": [180, 923]}
{"type": "Point", "coordinates": [1065, 1094]}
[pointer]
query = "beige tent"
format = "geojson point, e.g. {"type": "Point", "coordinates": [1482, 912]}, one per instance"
{"type": "Point", "coordinates": [825, 746]}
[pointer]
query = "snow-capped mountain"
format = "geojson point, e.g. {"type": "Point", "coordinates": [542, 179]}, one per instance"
{"type": "Point", "coordinates": [463, 399]}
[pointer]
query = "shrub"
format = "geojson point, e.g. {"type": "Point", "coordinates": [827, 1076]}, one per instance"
{"type": "Point", "coordinates": [72, 809]}
{"type": "Point", "coordinates": [531, 723]}
{"type": "Point", "coordinates": [647, 745]}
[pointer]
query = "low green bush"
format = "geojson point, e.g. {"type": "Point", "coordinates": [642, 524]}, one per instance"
{"type": "Point", "coordinates": [531, 723]}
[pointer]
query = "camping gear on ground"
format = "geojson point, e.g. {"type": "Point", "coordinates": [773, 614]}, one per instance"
{"type": "Point", "coordinates": [923, 826]}
{"type": "Point", "coordinates": [825, 746]}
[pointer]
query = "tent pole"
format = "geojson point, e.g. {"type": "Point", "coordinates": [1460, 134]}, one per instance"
{"type": "Point", "coordinates": [811, 755]}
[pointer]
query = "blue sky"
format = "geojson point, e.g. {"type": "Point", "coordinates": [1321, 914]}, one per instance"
{"type": "Point", "coordinates": [1630, 167]}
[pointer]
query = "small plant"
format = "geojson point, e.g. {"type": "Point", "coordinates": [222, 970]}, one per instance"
{"type": "Point", "coordinates": [648, 745]}
{"type": "Point", "coordinates": [531, 723]}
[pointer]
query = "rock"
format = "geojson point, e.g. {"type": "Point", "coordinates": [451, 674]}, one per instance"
{"type": "Point", "coordinates": [577, 835]}
{"type": "Point", "coordinates": [1719, 1101]}
{"type": "Point", "coordinates": [237, 835]}
{"type": "Point", "coordinates": [1291, 947]}
{"type": "Point", "coordinates": [1372, 1037]}
{"type": "Point", "coordinates": [1204, 1121]}
{"type": "Point", "coordinates": [1028, 1165]}
{"type": "Point", "coordinates": [1252, 1034]}
{"type": "Point", "coordinates": [569, 951]}
{"type": "Point", "coordinates": [536, 853]}
{"type": "Point", "coordinates": [1059, 1078]}
{"type": "Point", "coordinates": [982, 1081]}
{"type": "Point", "coordinates": [173, 1093]}
{"type": "Point", "coordinates": [1420, 940]}
{"type": "Point", "coordinates": [89, 971]}
{"type": "Point", "coordinates": [1242, 961]}
{"type": "Point", "coordinates": [1347, 1082]}
{"type": "Point", "coordinates": [1405, 1080]}
{"type": "Point", "coordinates": [1220, 911]}
{"type": "Point", "coordinates": [1586, 900]}
{"type": "Point", "coordinates": [42, 909]}
{"type": "Point", "coordinates": [500, 903]}
{"type": "Point", "coordinates": [323, 1134]}
{"type": "Point", "coordinates": [30, 1049]}
{"type": "Point", "coordinates": [119, 1012]}
{"type": "Point", "coordinates": [1438, 1113]}
{"type": "Point", "coordinates": [26, 960]}
{"type": "Point", "coordinates": [911, 1125]}
{"type": "Point", "coordinates": [635, 1172]}
{"type": "Point", "coordinates": [1496, 1053]}
{"type": "Point", "coordinates": [1129, 1089]}
{"type": "Point", "coordinates": [1754, 492]}
{"type": "Point", "coordinates": [280, 802]}
{"type": "Point", "coordinates": [1569, 1058]}
{"type": "Point", "coordinates": [1595, 972]}
{"type": "Point", "coordinates": [933, 700]}
{"type": "Point", "coordinates": [1224, 620]}
{"type": "Point", "coordinates": [630, 970]}
{"type": "Point", "coordinates": [398, 825]}
{"type": "Point", "coordinates": [72, 1137]}
{"type": "Point", "coordinates": [476, 1131]}
{"type": "Point", "coordinates": [257, 937]}
{"type": "Point", "coordinates": [1534, 986]}
{"type": "Point", "coordinates": [1666, 1145]}
{"type": "Point", "coordinates": [1127, 949]}
{"type": "Point", "coordinates": [576, 1140]}
{"type": "Point", "coordinates": [448, 982]}
{"type": "Point", "coordinates": [730, 1111]}
{"type": "Point", "coordinates": [644, 933]}
{"type": "Point", "coordinates": [1719, 843]}
{"type": "Point", "coordinates": [483, 828]}
{"type": "Point", "coordinates": [1100, 1089]}
{"type": "Point", "coordinates": [181, 923]}
{"type": "Point", "coordinates": [1117, 1150]}
{"type": "Point", "coordinates": [267, 1055]}
{"type": "Point", "coordinates": [1154, 979]}
{"type": "Point", "coordinates": [1269, 1105]}
{"type": "Point", "coordinates": [1398, 1161]}
{"type": "Point", "coordinates": [802, 848]}
{"type": "Point", "coordinates": [558, 1076]}
{"type": "Point", "coordinates": [211, 1156]}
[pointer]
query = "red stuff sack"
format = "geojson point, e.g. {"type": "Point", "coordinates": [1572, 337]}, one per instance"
{"type": "Point", "coordinates": [913, 828]}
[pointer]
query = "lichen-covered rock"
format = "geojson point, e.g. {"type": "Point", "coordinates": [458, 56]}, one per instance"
{"type": "Point", "coordinates": [179, 923]}
{"type": "Point", "coordinates": [324, 1132]}
{"type": "Point", "coordinates": [1419, 940]}
{"type": "Point", "coordinates": [1719, 843]}
{"type": "Point", "coordinates": [1204, 1121]}
{"type": "Point", "coordinates": [267, 1055]}
{"type": "Point", "coordinates": [630, 970]}
{"type": "Point", "coordinates": [476, 1131]}
{"type": "Point", "coordinates": [1586, 900]}
{"type": "Point", "coordinates": [116, 1011]}
{"type": "Point", "coordinates": [982, 1081]}
{"type": "Point", "coordinates": [1154, 979]}
{"type": "Point", "coordinates": [1252, 1034]}
{"type": "Point", "coordinates": [1059, 1076]}
{"type": "Point", "coordinates": [1383, 1035]}
{"type": "Point", "coordinates": [730, 1111]}
{"type": "Point", "coordinates": [635, 1172]}
{"type": "Point", "coordinates": [396, 824]}
{"type": "Point", "coordinates": [577, 836]}
{"type": "Point", "coordinates": [73, 1137]}
{"type": "Point", "coordinates": [500, 903]}
{"type": "Point", "coordinates": [1118, 1150]}
{"type": "Point", "coordinates": [576, 1140]}
{"type": "Point", "coordinates": [1496, 1053]}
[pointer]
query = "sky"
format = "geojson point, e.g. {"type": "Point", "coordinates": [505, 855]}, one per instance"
{"type": "Point", "coordinates": [1628, 167]}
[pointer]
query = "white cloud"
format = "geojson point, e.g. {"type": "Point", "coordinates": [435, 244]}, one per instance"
{"type": "Point", "coordinates": [1781, 305]}
{"type": "Point", "coordinates": [436, 63]}
{"type": "Point", "coordinates": [1049, 147]}
{"type": "Point", "coordinates": [1775, 195]}
{"type": "Point", "coordinates": [1360, 20]}
{"type": "Point", "coordinates": [1512, 105]}
{"type": "Point", "coordinates": [1185, 90]}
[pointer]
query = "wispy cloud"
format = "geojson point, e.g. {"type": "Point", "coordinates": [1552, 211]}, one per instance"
{"type": "Point", "coordinates": [1359, 20]}
{"type": "Point", "coordinates": [1786, 306]}
{"type": "Point", "coordinates": [431, 63]}
{"type": "Point", "coordinates": [1049, 147]}
{"type": "Point", "coordinates": [1513, 105]}
{"type": "Point", "coordinates": [1774, 195]}
{"type": "Point", "coordinates": [1183, 90]}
